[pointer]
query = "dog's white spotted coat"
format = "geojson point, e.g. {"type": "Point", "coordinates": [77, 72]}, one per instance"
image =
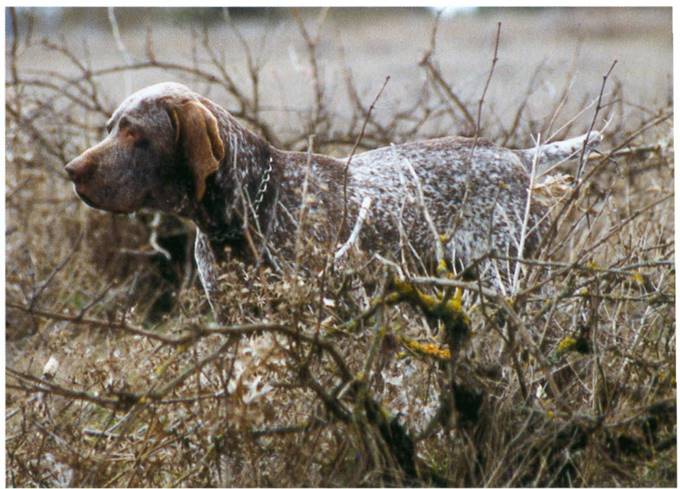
{"type": "Point", "coordinates": [476, 193]}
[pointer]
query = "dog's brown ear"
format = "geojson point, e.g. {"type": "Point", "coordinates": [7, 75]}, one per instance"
{"type": "Point", "coordinates": [197, 135]}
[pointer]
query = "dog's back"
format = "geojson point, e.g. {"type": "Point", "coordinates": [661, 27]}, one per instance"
{"type": "Point", "coordinates": [474, 192]}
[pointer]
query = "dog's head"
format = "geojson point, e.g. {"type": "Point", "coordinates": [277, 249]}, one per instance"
{"type": "Point", "coordinates": [163, 143]}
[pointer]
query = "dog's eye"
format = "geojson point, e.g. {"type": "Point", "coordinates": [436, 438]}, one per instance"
{"type": "Point", "coordinates": [132, 133]}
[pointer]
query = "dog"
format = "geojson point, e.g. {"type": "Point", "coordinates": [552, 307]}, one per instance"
{"type": "Point", "coordinates": [170, 149]}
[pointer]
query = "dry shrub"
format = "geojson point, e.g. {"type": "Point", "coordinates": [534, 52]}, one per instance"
{"type": "Point", "coordinates": [371, 374]}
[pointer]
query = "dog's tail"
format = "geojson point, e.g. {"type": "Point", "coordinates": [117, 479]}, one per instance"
{"type": "Point", "coordinates": [551, 155]}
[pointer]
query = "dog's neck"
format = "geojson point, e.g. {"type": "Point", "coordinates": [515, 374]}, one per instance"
{"type": "Point", "coordinates": [242, 189]}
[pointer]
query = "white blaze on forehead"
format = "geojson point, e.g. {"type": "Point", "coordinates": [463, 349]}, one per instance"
{"type": "Point", "coordinates": [152, 92]}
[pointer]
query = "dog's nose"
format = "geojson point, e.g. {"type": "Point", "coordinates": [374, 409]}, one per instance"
{"type": "Point", "coordinates": [79, 169]}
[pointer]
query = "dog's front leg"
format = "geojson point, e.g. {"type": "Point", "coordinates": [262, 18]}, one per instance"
{"type": "Point", "coordinates": [208, 272]}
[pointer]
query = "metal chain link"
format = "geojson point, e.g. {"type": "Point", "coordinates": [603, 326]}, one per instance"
{"type": "Point", "coordinates": [259, 198]}
{"type": "Point", "coordinates": [264, 183]}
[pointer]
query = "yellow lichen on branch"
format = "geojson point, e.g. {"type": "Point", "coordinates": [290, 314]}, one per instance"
{"type": "Point", "coordinates": [428, 349]}
{"type": "Point", "coordinates": [439, 308]}
{"type": "Point", "coordinates": [566, 344]}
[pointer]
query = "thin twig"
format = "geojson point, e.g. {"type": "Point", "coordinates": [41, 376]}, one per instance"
{"type": "Point", "coordinates": [354, 236]}
{"type": "Point", "coordinates": [598, 107]}
{"type": "Point", "coordinates": [494, 60]}
{"type": "Point", "coordinates": [121, 47]}
{"type": "Point", "coordinates": [345, 176]}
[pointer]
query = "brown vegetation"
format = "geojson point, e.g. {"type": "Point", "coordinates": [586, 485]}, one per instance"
{"type": "Point", "coordinates": [371, 375]}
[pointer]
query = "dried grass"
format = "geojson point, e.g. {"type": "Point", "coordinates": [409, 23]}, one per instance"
{"type": "Point", "coordinates": [329, 377]}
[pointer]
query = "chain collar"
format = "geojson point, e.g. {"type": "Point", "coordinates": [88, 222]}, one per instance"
{"type": "Point", "coordinates": [262, 189]}
{"type": "Point", "coordinates": [259, 198]}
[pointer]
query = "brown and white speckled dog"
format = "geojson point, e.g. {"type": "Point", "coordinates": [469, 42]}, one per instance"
{"type": "Point", "coordinates": [170, 149]}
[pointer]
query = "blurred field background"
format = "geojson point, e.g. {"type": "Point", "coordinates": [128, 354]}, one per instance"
{"type": "Point", "coordinates": [549, 47]}
{"type": "Point", "coordinates": [99, 393]}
